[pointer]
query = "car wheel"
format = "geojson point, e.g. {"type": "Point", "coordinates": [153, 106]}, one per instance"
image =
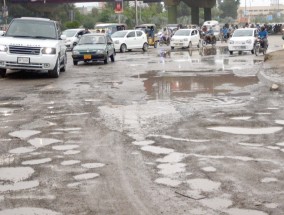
{"type": "Point", "coordinates": [75, 63]}
{"type": "Point", "coordinates": [55, 72]}
{"type": "Point", "coordinates": [240, 52]}
{"type": "Point", "coordinates": [112, 58]}
{"type": "Point", "coordinates": [2, 73]}
{"type": "Point", "coordinates": [123, 48]}
{"type": "Point", "coordinates": [145, 47]}
{"type": "Point", "coordinates": [63, 69]}
{"type": "Point", "coordinates": [106, 59]}
{"type": "Point", "coordinates": [252, 51]}
{"type": "Point", "coordinates": [231, 52]}
{"type": "Point", "coordinates": [172, 48]}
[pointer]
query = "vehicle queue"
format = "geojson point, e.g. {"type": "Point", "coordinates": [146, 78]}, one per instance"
{"type": "Point", "coordinates": [106, 39]}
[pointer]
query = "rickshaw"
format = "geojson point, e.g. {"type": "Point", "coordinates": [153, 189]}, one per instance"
{"type": "Point", "coordinates": [151, 32]}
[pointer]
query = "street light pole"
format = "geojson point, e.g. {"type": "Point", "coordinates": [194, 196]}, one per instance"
{"type": "Point", "coordinates": [136, 15]}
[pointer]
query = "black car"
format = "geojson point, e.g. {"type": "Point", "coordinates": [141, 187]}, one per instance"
{"type": "Point", "coordinates": [94, 47]}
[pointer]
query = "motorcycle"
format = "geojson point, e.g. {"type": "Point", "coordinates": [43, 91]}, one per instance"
{"type": "Point", "coordinates": [260, 47]}
{"type": "Point", "coordinates": [164, 40]}
{"type": "Point", "coordinates": [205, 40]}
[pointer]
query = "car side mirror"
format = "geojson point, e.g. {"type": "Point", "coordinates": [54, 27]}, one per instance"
{"type": "Point", "coordinates": [63, 37]}
{"type": "Point", "coordinates": [109, 43]}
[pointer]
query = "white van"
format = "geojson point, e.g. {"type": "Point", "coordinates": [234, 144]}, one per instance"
{"type": "Point", "coordinates": [215, 26]}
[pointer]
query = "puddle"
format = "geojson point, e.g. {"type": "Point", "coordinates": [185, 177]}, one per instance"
{"type": "Point", "coordinates": [67, 129]}
{"type": "Point", "coordinates": [209, 169]}
{"type": "Point", "coordinates": [157, 149]}
{"type": "Point", "coordinates": [76, 184]}
{"type": "Point", "coordinates": [15, 174]}
{"type": "Point", "coordinates": [169, 137]}
{"type": "Point", "coordinates": [92, 165]}
{"type": "Point", "coordinates": [22, 185]}
{"type": "Point", "coordinates": [37, 161]}
{"type": "Point", "coordinates": [23, 134]}
{"type": "Point", "coordinates": [168, 182]}
{"type": "Point", "coordinates": [22, 150]}
{"type": "Point", "coordinates": [217, 203]}
{"type": "Point", "coordinates": [70, 162]}
{"type": "Point", "coordinates": [42, 142]}
{"type": "Point", "coordinates": [189, 84]}
{"type": "Point", "coordinates": [6, 111]}
{"type": "Point", "coordinates": [65, 147]}
{"type": "Point", "coordinates": [238, 211]}
{"type": "Point", "coordinates": [280, 144]}
{"type": "Point", "coordinates": [71, 152]}
{"type": "Point", "coordinates": [28, 211]}
{"type": "Point", "coordinates": [204, 185]}
{"type": "Point", "coordinates": [86, 176]}
{"type": "Point", "coordinates": [251, 144]}
{"type": "Point", "coordinates": [280, 122]}
{"type": "Point", "coordinates": [271, 205]}
{"type": "Point", "coordinates": [171, 168]}
{"type": "Point", "coordinates": [241, 118]}
{"type": "Point", "coordinates": [143, 143]}
{"type": "Point", "coordinates": [268, 180]}
{"type": "Point", "coordinates": [174, 157]}
{"type": "Point", "coordinates": [240, 130]}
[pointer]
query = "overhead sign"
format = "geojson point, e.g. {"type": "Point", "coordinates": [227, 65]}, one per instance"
{"type": "Point", "coordinates": [118, 6]}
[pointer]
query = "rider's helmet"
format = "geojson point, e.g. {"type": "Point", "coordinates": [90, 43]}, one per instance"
{"type": "Point", "coordinates": [262, 28]}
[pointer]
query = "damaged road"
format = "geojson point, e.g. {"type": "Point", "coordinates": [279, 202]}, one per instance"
{"type": "Point", "coordinates": [161, 132]}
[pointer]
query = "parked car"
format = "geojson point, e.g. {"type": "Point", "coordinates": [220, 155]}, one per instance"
{"type": "Point", "coordinates": [94, 47]}
{"type": "Point", "coordinates": [72, 37]}
{"type": "Point", "coordinates": [185, 38]}
{"type": "Point", "coordinates": [130, 39]}
{"type": "Point", "coordinates": [243, 39]}
{"type": "Point", "coordinates": [32, 43]}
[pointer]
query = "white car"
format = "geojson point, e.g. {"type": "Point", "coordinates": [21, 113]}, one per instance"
{"type": "Point", "coordinates": [243, 40]}
{"type": "Point", "coordinates": [185, 38]}
{"type": "Point", "coordinates": [35, 44]}
{"type": "Point", "coordinates": [72, 37]}
{"type": "Point", "coordinates": [129, 39]}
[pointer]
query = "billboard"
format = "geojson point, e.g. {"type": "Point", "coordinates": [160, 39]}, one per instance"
{"type": "Point", "coordinates": [118, 6]}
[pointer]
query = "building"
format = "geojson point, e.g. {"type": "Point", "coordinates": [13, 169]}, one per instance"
{"type": "Point", "coordinates": [250, 12]}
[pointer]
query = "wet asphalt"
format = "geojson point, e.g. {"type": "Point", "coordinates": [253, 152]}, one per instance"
{"type": "Point", "coordinates": [161, 132]}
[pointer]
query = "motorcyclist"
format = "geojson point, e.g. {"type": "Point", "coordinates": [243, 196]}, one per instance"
{"type": "Point", "coordinates": [262, 34]}
{"type": "Point", "coordinates": [209, 35]}
{"type": "Point", "coordinates": [165, 35]}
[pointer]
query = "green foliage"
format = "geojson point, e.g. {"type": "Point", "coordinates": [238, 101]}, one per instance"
{"type": "Point", "coordinates": [229, 8]}
{"type": "Point", "coordinates": [74, 24]}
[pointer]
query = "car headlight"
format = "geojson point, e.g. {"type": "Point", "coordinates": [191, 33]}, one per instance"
{"type": "Point", "coordinates": [75, 52]}
{"type": "Point", "coordinates": [185, 39]}
{"type": "Point", "coordinates": [100, 51]}
{"type": "Point", "coordinates": [48, 51]}
{"type": "Point", "coordinates": [3, 48]}
{"type": "Point", "coordinates": [116, 41]}
{"type": "Point", "coordinates": [249, 41]}
{"type": "Point", "coordinates": [231, 42]}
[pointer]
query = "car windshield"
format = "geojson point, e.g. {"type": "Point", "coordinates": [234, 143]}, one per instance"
{"type": "Point", "coordinates": [243, 33]}
{"type": "Point", "coordinates": [92, 39]}
{"type": "Point", "coordinates": [182, 33]}
{"type": "Point", "coordinates": [70, 33]}
{"type": "Point", "coordinates": [119, 34]}
{"type": "Point", "coordinates": [32, 28]}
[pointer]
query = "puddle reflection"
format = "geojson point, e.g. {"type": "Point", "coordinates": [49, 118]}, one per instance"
{"type": "Point", "coordinates": [165, 87]}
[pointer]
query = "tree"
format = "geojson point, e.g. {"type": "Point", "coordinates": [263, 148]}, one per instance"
{"type": "Point", "coordinates": [229, 8]}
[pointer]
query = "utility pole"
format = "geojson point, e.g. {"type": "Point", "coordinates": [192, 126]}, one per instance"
{"type": "Point", "coordinates": [136, 14]}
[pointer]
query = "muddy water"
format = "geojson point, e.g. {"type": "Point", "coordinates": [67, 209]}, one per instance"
{"type": "Point", "coordinates": [163, 86]}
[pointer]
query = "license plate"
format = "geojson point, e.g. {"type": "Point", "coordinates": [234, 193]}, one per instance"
{"type": "Point", "coordinates": [24, 60]}
{"type": "Point", "coordinates": [87, 57]}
